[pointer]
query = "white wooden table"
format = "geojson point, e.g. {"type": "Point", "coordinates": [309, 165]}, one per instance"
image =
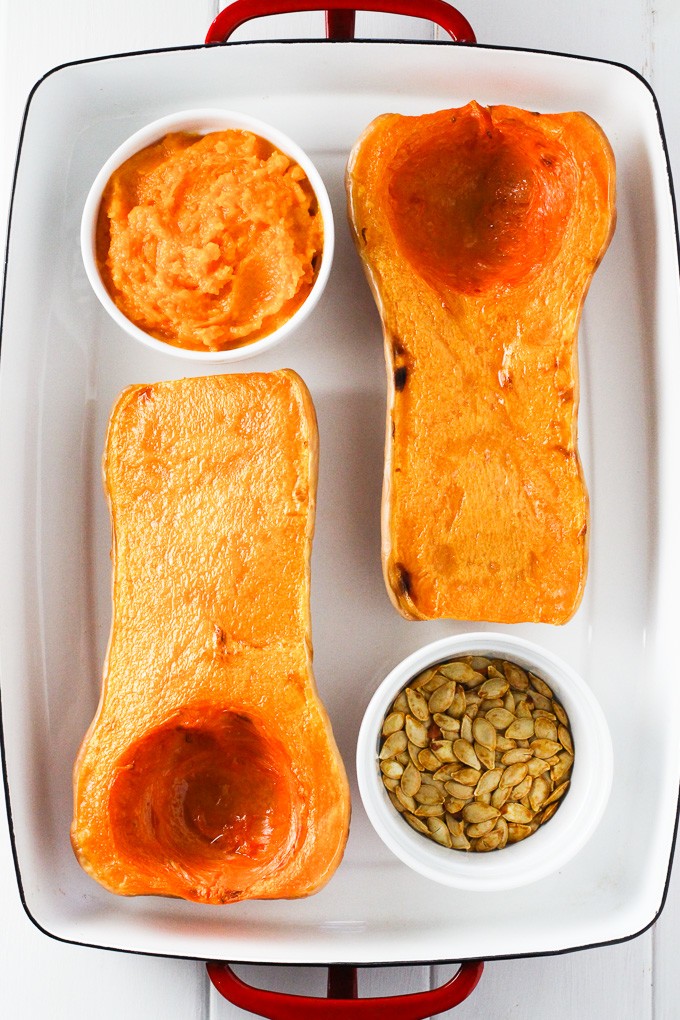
{"type": "Point", "coordinates": [40, 978]}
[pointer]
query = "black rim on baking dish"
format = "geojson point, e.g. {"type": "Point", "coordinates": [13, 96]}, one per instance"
{"type": "Point", "coordinates": [298, 43]}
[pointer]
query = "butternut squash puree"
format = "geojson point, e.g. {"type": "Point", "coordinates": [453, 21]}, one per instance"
{"type": "Point", "coordinates": [209, 242]}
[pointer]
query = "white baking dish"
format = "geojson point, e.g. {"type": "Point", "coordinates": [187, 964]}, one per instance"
{"type": "Point", "coordinates": [62, 364]}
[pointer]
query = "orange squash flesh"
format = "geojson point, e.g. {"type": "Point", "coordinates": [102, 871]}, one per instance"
{"type": "Point", "coordinates": [209, 242]}
{"type": "Point", "coordinates": [480, 230]}
{"type": "Point", "coordinates": [210, 771]}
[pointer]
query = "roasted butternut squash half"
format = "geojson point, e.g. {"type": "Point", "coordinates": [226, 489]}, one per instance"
{"type": "Point", "coordinates": [210, 771]}
{"type": "Point", "coordinates": [480, 230]}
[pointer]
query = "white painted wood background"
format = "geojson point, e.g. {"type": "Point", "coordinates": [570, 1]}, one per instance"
{"type": "Point", "coordinates": [40, 978]}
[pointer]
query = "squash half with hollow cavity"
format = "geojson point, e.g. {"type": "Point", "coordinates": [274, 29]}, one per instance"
{"type": "Point", "coordinates": [210, 771]}
{"type": "Point", "coordinates": [480, 230]}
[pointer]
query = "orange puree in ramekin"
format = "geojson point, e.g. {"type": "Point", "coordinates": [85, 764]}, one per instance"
{"type": "Point", "coordinates": [209, 242]}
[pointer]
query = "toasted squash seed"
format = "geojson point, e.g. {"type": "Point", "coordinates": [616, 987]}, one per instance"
{"type": "Point", "coordinates": [459, 791]}
{"type": "Point", "coordinates": [564, 737]}
{"type": "Point", "coordinates": [540, 686]}
{"type": "Point", "coordinates": [545, 729]}
{"type": "Point", "coordinates": [545, 748]}
{"type": "Point", "coordinates": [443, 751]}
{"type": "Point", "coordinates": [439, 831]}
{"type": "Point", "coordinates": [476, 829]}
{"type": "Point", "coordinates": [418, 705]}
{"type": "Point", "coordinates": [477, 812]}
{"type": "Point", "coordinates": [494, 688]}
{"type": "Point", "coordinates": [465, 753]}
{"type": "Point", "coordinates": [416, 731]}
{"type": "Point", "coordinates": [428, 760]}
{"type": "Point", "coordinates": [391, 768]}
{"type": "Point", "coordinates": [486, 756]}
{"type": "Point", "coordinates": [395, 743]}
{"type": "Point", "coordinates": [500, 718]}
{"type": "Point", "coordinates": [516, 676]}
{"type": "Point", "coordinates": [442, 698]}
{"type": "Point", "coordinates": [514, 812]}
{"type": "Point", "coordinates": [429, 810]}
{"type": "Point", "coordinates": [429, 795]}
{"type": "Point", "coordinates": [400, 703]}
{"type": "Point", "coordinates": [410, 780]}
{"type": "Point", "coordinates": [520, 729]}
{"type": "Point", "coordinates": [484, 732]}
{"type": "Point", "coordinates": [416, 823]}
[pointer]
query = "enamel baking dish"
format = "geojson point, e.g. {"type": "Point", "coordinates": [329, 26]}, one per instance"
{"type": "Point", "coordinates": [63, 362]}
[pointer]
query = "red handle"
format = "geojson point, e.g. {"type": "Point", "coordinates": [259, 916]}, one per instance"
{"type": "Point", "coordinates": [342, 1001]}
{"type": "Point", "coordinates": [340, 15]}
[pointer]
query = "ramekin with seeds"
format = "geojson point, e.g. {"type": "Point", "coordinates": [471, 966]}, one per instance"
{"type": "Point", "coordinates": [484, 742]}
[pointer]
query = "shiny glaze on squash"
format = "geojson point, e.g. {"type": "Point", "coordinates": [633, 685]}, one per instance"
{"type": "Point", "coordinates": [210, 771]}
{"type": "Point", "coordinates": [480, 230]}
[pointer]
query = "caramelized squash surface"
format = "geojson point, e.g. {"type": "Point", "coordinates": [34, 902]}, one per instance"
{"type": "Point", "coordinates": [210, 771]}
{"type": "Point", "coordinates": [480, 230]}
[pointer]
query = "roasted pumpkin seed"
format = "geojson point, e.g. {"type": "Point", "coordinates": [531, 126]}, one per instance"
{"type": "Point", "coordinates": [477, 812]}
{"type": "Point", "coordinates": [537, 766]}
{"type": "Point", "coordinates": [428, 760]}
{"type": "Point", "coordinates": [522, 789]}
{"type": "Point", "coordinates": [428, 795]}
{"type": "Point", "coordinates": [406, 801]}
{"type": "Point", "coordinates": [515, 812]}
{"type": "Point", "coordinates": [422, 678]}
{"type": "Point", "coordinates": [439, 831]}
{"type": "Point", "coordinates": [486, 756]}
{"type": "Point", "coordinates": [494, 688]}
{"type": "Point", "coordinates": [395, 743]}
{"type": "Point", "coordinates": [416, 823]}
{"type": "Point", "coordinates": [416, 731]}
{"type": "Point", "coordinates": [391, 768]}
{"type": "Point", "coordinates": [465, 753]}
{"type": "Point", "coordinates": [564, 737]}
{"type": "Point", "coordinates": [516, 676]}
{"type": "Point", "coordinates": [521, 729]}
{"type": "Point", "coordinates": [418, 705]}
{"type": "Point", "coordinates": [545, 748]}
{"type": "Point", "coordinates": [491, 841]}
{"type": "Point", "coordinates": [517, 831]}
{"type": "Point", "coordinates": [476, 829]}
{"type": "Point", "coordinates": [515, 755]}
{"type": "Point", "coordinates": [513, 774]}
{"type": "Point", "coordinates": [501, 796]}
{"type": "Point", "coordinates": [453, 806]}
{"type": "Point", "coordinates": [410, 780]}
{"type": "Point", "coordinates": [545, 728]}
{"type": "Point", "coordinates": [540, 685]}
{"type": "Point", "coordinates": [541, 789]}
{"type": "Point", "coordinates": [429, 810]}
{"type": "Point", "coordinates": [561, 768]}
{"type": "Point", "coordinates": [400, 703]}
{"type": "Point", "coordinates": [460, 791]}
{"type": "Point", "coordinates": [466, 727]}
{"type": "Point", "coordinates": [442, 698]}
{"type": "Point", "coordinates": [560, 713]}
{"type": "Point", "coordinates": [499, 718]}
{"type": "Point", "coordinates": [443, 750]}
{"type": "Point", "coordinates": [393, 722]}
{"type": "Point", "coordinates": [484, 732]}
{"type": "Point", "coordinates": [460, 671]}
{"type": "Point", "coordinates": [489, 782]}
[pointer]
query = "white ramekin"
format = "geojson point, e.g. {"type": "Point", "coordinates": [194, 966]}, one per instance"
{"type": "Point", "coordinates": [554, 843]}
{"type": "Point", "coordinates": [204, 121]}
